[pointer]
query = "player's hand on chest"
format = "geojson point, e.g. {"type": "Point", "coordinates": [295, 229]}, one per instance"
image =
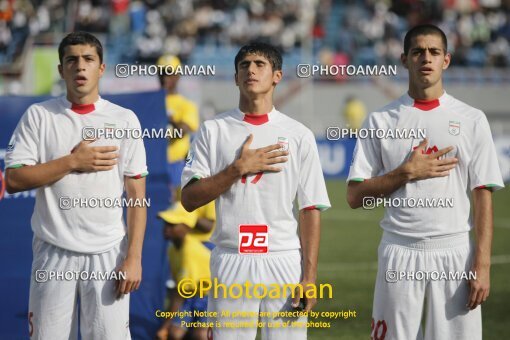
{"type": "Point", "coordinates": [262, 158]}
{"type": "Point", "coordinates": [441, 131]}
{"type": "Point", "coordinates": [71, 132]}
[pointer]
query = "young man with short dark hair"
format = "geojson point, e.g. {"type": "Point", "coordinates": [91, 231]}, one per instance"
{"type": "Point", "coordinates": [255, 161]}
{"type": "Point", "coordinates": [456, 160]}
{"type": "Point", "coordinates": [47, 153]}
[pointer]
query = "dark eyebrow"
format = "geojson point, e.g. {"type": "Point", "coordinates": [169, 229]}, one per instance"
{"type": "Point", "coordinates": [75, 56]}
{"type": "Point", "coordinates": [421, 49]}
{"type": "Point", "coordinates": [256, 61]}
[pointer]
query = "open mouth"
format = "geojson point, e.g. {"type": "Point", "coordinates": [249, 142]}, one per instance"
{"type": "Point", "coordinates": [426, 70]}
{"type": "Point", "coordinates": [80, 80]}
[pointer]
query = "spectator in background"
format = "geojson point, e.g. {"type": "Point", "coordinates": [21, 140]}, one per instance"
{"type": "Point", "coordinates": [354, 112]}
{"type": "Point", "coordinates": [189, 257]}
{"type": "Point", "coordinates": [119, 30]}
{"type": "Point", "coordinates": [182, 114]}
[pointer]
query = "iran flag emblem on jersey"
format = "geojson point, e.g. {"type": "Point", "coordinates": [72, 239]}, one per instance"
{"type": "Point", "coordinates": [284, 143]}
{"type": "Point", "coordinates": [454, 128]}
{"type": "Point", "coordinates": [109, 127]}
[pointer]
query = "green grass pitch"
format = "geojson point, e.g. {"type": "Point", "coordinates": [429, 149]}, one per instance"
{"type": "Point", "coordinates": [348, 256]}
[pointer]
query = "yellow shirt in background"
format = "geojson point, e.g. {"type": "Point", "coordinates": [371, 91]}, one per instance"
{"type": "Point", "coordinates": [191, 261]}
{"type": "Point", "coordinates": [355, 113]}
{"type": "Point", "coordinates": [183, 111]}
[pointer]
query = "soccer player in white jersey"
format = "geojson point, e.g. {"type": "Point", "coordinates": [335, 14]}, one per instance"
{"type": "Point", "coordinates": [255, 161]}
{"type": "Point", "coordinates": [456, 160]}
{"type": "Point", "coordinates": [47, 153]}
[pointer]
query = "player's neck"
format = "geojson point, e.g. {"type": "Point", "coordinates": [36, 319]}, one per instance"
{"type": "Point", "coordinates": [428, 93]}
{"type": "Point", "coordinates": [258, 106]}
{"type": "Point", "coordinates": [87, 99]}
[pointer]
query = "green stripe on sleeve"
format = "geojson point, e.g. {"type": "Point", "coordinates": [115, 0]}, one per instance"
{"type": "Point", "coordinates": [15, 166]}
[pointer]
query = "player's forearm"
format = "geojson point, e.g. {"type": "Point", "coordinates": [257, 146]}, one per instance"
{"type": "Point", "coordinates": [309, 233]}
{"type": "Point", "coordinates": [176, 301]}
{"type": "Point", "coordinates": [205, 190]}
{"type": "Point", "coordinates": [136, 217]}
{"type": "Point", "coordinates": [136, 220]}
{"type": "Point", "coordinates": [204, 225]}
{"type": "Point", "coordinates": [482, 208]}
{"type": "Point", "coordinates": [34, 176]}
{"type": "Point", "coordinates": [380, 186]}
{"type": "Point", "coordinates": [185, 128]}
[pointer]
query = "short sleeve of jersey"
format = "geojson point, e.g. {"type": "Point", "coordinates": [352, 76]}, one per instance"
{"type": "Point", "coordinates": [23, 148]}
{"type": "Point", "coordinates": [484, 168]}
{"type": "Point", "coordinates": [197, 163]}
{"type": "Point", "coordinates": [135, 163]}
{"type": "Point", "coordinates": [311, 192]}
{"type": "Point", "coordinates": [366, 160]}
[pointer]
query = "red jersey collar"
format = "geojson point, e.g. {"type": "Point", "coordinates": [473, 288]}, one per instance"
{"type": "Point", "coordinates": [427, 105]}
{"type": "Point", "coordinates": [256, 119]}
{"type": "Point", "coordinates": [82, 109]}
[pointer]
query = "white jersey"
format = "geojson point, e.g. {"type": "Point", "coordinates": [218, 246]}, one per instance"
{"type": "Point", "coordinates": [446, 122]}
{"type": "Point", "coordinates": [263, 201]}
{"type": "Point", "coordinates": [50, 130]}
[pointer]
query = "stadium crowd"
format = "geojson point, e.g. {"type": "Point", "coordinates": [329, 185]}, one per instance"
{"type": "Point", "coordinates": [363, 32]}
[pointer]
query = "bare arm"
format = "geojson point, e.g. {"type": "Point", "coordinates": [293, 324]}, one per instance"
{"type": "Point", "coordinates": [204, 225]}
{"type": "Point", "coordinates": [176, 301]}
{"type": "Point", "coordinates": [34, 176]}
{"type": "Point", "coordinates": [181, 125]}
{"type": "Point", "coordinates": [136, 223]}
{"type": "Point", "coordinates": [83, 158]}
{"type": "Point", "coordinates": [309, 234]}
{"type": "Point", "coordinates": [200, 192]}
{"type": "Point", "coordinates": [482, 210]}
{"type": "Point", "coordinates": [418, 166]}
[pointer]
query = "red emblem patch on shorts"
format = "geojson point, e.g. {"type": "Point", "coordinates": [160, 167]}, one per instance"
{"type": "Point", "coordinates": [253, 238]}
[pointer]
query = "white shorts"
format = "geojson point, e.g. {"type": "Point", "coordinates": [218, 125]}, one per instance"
{"type": "Point", "coordinates": [404, 291]}
{"type": "Point", "coordinates": [53, 308]}
{"type": "Point", "coordinates": [230, 267]}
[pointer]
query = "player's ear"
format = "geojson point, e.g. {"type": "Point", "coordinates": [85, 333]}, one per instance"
{"type": "Point", "coordinates": [403, 59]}
{"type": "Point", "coordinates": [277, 76]}
{"type": "Point", "coordinates": [236, 79]}
{"type": "Point", "coordinates": [447, 60]}
{"type": "Point", "coordinates": [102, 67]}
{"type": "Point", "coordinates": [60, 71]}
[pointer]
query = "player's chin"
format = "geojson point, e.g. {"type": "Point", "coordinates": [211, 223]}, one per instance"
{"type": "Point", "coordinates": [427, 79]}
{"type": "Point", "coordinates": [254, 91]}
{"type": "Point", "coordinates": [81, 89]}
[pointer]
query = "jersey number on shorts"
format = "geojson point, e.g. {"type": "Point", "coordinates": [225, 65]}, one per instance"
{"type": "Point", "coordinates": [379, 331]}
{"type": "Point", "coordinates": [255, 180]}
